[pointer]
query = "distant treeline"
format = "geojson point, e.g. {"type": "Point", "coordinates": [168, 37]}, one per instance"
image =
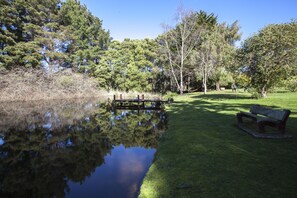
{"type": "Point", "coordinates": [197, 52]}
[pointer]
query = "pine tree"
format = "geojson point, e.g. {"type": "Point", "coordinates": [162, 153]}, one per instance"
{"type": "Point", "coordinates": [128, 65]}
{"type": "Point", "coordinates": [23, 27]}
{"type": "Point", "coordinates": [87, 39]}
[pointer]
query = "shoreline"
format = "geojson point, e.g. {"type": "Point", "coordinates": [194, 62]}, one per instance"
{"type": "Point", "coordinates": [202, 152]}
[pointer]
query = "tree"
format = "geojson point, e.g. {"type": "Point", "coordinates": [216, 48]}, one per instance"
{"type": "Point", "coordinates": [205, 59]}
{"type": "Point", "coordinates": [50, 33]}
{"type": "Point", "coordinates": [225, 67]}
{"type": "Point", "coordinates": [221, 76]}
{"type": "Point", "coordinates": [127, 65]}
{"type": "Point", "coordinates": [52, 40]}
{"type": "Point", "coordinates": [86, 38]}
{"type": "Point", "coordinates": [270, 55]}
{"type": "Point", "coordinates": [291, 83]}
{"type": "Point", "coordinates": [215, 53]}
{"type": "Point", "coordinates": [198, 43]}
{"type": "Point", "coordinates": [22, 24]}
{"type": "Point", "coordinates": [179, 42]}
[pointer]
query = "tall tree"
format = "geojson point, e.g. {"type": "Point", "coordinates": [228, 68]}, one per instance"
{"type": "Point", "coordinates": [86, 37]}
{"type": "Point", "coordinates": [270, 55]}
{"type": "Point", "coordinates": [127, 65]}
{"type": "Point", "coordinates": [229, 34]}
{"type": "Point", "coordinates": [53, 40]}
{"type": "Point", "coordinates": [215, 53]}
{"type": "Point", "coordinates": [50, 32]}
{"type": "Point", "coordinates": [179, 42]}
{"type": "Point", "coordinates": [22, 23]}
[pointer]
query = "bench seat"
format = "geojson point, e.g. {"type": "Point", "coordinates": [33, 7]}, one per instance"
{"type": "Point", "coordinates": [264, 116]}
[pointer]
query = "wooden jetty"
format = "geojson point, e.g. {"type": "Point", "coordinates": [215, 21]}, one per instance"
{"type": "Point", "coordinates": [138, 103]}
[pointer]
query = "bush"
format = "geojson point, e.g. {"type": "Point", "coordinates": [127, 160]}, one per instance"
{"type": "Point", "coordinates": [291, 84]}
{"type": "Point", "coordinates": [255, 93]}
{"type": "Point", "coordinates": [170, 95]}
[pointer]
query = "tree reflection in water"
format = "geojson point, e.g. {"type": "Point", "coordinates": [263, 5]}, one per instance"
{"type": "Point", "coordinates": [47, 145]}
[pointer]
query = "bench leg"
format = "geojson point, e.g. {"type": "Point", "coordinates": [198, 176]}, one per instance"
{"type": "Point", "coordinates": [239, 117]}
{"type": "Point", "coordinates": [261, 126]}
{"type": "Point", "coordinates": [281, 129]}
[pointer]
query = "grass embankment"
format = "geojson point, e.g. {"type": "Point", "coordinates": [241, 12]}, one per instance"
{"type": "Point", "coordinates": [204, 154]}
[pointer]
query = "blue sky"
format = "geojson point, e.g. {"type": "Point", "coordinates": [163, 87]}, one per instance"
{"type": "Point", "coordinates": [139, 19]}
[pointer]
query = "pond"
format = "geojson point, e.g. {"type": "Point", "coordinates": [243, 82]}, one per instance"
{"type": "Point", "coordinates": [75, 149]}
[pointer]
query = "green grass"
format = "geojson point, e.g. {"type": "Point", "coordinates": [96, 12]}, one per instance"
{"type": "Point", "coordinates": [204, 154]}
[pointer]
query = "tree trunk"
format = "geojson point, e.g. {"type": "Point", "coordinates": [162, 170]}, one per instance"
{"type": "Point", "coordinates": [204, 81]}
{"type": "Point", "coordinates": [204, 84]}
{"type": "Point", "coordinates": [181, 87]}
{"type": "Point", "coordinates": [181, 92]}
{"type": "Point", "coordinates": [218, 86]}
{"type": "Point", "coordinates": [264, 92]}
{"type": "Point", "coordinates": [205, 88]}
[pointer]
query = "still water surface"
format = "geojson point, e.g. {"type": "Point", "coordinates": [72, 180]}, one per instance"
{"type": "Point", "coordinates": [75, 149]}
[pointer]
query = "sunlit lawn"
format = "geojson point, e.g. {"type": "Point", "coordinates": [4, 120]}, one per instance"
{"type": "Point", "coordinates": [204, 154]}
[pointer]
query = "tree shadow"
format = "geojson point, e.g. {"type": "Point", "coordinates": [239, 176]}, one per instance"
{"type": "Point", "coordinates": [222, 96]}
{"type": "Point", "coordinates": [204, 152]}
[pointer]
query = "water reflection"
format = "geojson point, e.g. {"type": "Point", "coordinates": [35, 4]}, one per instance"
{"type": "Point", "coordinates": [119, 176]}
{"type": "Point", "coordinates": [75, 148]}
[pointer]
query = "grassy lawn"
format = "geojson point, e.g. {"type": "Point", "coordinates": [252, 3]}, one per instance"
{"type": "Point", "coordinates": [204, 154]}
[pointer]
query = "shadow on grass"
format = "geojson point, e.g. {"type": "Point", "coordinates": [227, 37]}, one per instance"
{"type": "Point", "coordinates": [223, 96]}
{"type": "Point", "coordinates": [282, 91]}
{"type": "Point", "coordinates": [204, 154]}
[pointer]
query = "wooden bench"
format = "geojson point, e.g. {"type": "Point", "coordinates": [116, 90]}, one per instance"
{"type": "Point", "coordinates": [264, 116]}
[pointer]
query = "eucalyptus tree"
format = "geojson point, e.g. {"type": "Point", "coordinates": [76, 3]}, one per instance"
{"type": "Point", "coordinates": [179, 42]}
{"type": "Point", "coordinates": [216, 52]}
{"type": "Point", "coordinates": [225, 67]}
{"type": "Point", "coordinates": [270, 55]}
{"type": "Point", "coordinates": [221, 77]}
{"type": "Point", "coordinates": [206, 57]}
{"type": "Point", "coordinates": [189, 46]}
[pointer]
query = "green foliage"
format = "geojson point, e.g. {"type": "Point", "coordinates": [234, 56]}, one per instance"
{"type": "Point", "coordinates": [222, 77]}
{"type": "Point", "coordinates": [198, 47]}
{"type": "Point", "coordinates": [215, 54]}
{"type": "Point", "coordinates": [242, 80]}
{"type": "Point", "coordinates": [170, 95]}
{"type": "Point", "coordinates": [127, 65]}
{"type": "Point", "coordinates": [58, 34]}
{"type": "Point", "coordinates": [87, 39]}
{"type": "Point", "coordinates": [179, 42]}
{"type": "Point", "coordinates": [270, 55]}
{"type": "Point", "coordinates": [62, 34]}
{"type": "Point", "coordinates": [22, 54]}
{"type": "Point", "coordinates": [23, 26]}
{"type": "Point", "coordinates": [254, 93]}
{"type": "Point", "coordinates": [291, 83]}
{"type": "Point", "coordinates": [208, 21]}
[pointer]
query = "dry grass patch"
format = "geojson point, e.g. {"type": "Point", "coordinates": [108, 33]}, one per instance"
{"type": "Point", "coordinates": [25, 85]}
